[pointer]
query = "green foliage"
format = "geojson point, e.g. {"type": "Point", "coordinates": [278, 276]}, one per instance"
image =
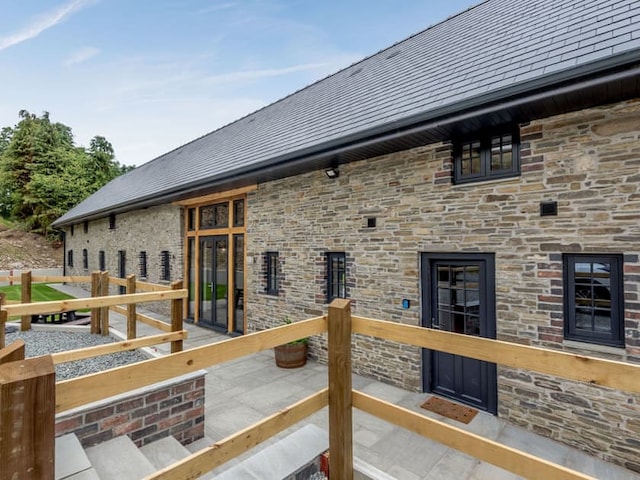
{"type": "Point", "coordinates": [43, 173]}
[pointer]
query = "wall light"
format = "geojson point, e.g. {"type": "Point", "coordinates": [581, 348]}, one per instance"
{"type": "Point", "coordinates": [332, 172]}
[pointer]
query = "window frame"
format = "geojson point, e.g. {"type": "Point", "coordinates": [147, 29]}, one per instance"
{"type": "Point", "coordinates": [272, 273]}
{"type": "Point", "coordinates": [102, 264]}
{"type": "Point", "coordinates": [85, 259]}
{"type": "Point", "coordinates": [112, 221]}
{"type": "Point", "coordinates": [165, 266]}
{"type": "Point", "coordinates": [615, 337]}
{"type": "Point", "coordinates": [142, 264]}
{"type": "Point", "coordinates": [70, 258]}
{"type": "Point", "coordinates": [341, 286]}
{"type": "Point", "coordinates": [485, 139]}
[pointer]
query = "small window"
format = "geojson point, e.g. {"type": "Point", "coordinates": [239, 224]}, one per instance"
{"type": "Point", "coordinates": [101, 261]}
{"type": "Point", "coordinates": [336, 275]}
{"type": "Point", "coordinates": [165, 266]}
{"type": "Point", "coordinates": [191, 219]}
{"type": "Point", "coordinates": [143, 264]}
{"type": "Point", "coordinates": [594, 308]}
{"type": "Point", "coordinates": [70, 258]}
{"type": "Point", "coordinates": [238, 213]}
{"type": "Point", "coordinates": [85, 259]}
{"type": "Point", "coordinates": [487, 157]}
{"type": "Point", "coordinates": [272, 272]}
{"type": "Point", "coordinates": [72, 229]}
{"type": "Point", "coordinates": [112, 221]}
{"type": "Point", "coordinates": [215, 216]}
{"type": "Point", "coordinates": [85, 226]}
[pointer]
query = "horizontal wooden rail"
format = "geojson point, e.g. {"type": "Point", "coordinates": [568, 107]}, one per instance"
{"type": "Point", "coordinates": [221, 452]}
{"type": "Point", "coordinates": [80, 391]}
{"type": "Point", "coordinates": [89, 352]}
{"type": "Point", "coordinates": [48, 279]}
{"type": "Point", "coordinates": [153, 322]}
{"type": "Point", "coordinates": [118, 281]}
{"type": "Point", "coordinates": [508, 458]}
{"type": "Point", "coordinates": [142, 286]}
{"type": "Point", "coordinates": [607, 373]}
{"type": "Point", "coordinates": [82, 303]}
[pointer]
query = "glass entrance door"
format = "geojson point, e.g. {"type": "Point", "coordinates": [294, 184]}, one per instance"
{"type": "Point", "coordinates": [214, 279]}
{"type": "Point", "coordinates": [459, 298]}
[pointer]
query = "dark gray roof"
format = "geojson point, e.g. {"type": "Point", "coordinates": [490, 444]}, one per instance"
{"type": "Point", "coordinates": [497, 49]}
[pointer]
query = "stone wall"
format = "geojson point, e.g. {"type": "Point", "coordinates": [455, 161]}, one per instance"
{"type": "Point", "coordinates": [587, 161]}
{"type": "Point", "coordinates": [150, 230]}
{"type": "Point", "coordinates": [173, 407]}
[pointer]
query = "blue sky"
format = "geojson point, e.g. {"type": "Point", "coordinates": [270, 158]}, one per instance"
{"type": "Point", "coordinates": [151, 76]}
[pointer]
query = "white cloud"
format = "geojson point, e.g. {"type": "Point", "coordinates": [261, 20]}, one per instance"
{"type": "Point", "coordinates": [82, 55]}
{"type": "Point", "coordinates": [250, 75]}
{"type": "Point", "coordinates": [42, 23]}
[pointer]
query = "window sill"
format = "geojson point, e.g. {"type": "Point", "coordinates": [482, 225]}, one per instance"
{"type": "Point", "coordinates": [594, 347]}
{"type": "Point", "coordinates": [486, 181]}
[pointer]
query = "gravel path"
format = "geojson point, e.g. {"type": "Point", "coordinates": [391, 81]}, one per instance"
{"type": "Point", "coordinates": [42, 343]}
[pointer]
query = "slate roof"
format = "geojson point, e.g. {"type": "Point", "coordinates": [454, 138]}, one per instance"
{"type": "Point", "coordinates": [497, 49]}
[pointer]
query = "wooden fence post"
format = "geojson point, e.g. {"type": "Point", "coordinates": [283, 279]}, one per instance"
{"type": "Point", "coordinates": [176, 317]}
{"type": "Point", "coordinates": [27, 418]}
{"type": "Point", "coordinates": [340, 392]}
{"type": "Point", "coordinates": [104, 311]}
{"type": "Point", "coordinates": [131, 309]}
{"type": "Point", "coordinates": [12, 353]}
{"type": "Point", "coordinates": [95, 312]}
{"type": "Point", "coordinates": [3, 321]}
{"type": "Point", "coordinates": [25, 278]}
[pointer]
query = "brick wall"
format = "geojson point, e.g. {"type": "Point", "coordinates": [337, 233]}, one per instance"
{"type": "Point", "coordinates": [151, 230]}
{"type": "Point", "coordinates": [169, 408]}
{"type": "Point", "coordinates": [587, 161]}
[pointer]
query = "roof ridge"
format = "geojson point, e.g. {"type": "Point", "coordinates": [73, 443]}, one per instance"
{"type": "Point", "coordinates": [334, 74]}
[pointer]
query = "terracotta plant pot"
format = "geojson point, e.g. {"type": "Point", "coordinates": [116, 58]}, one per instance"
{"type": "Point", "coordinates": [291, 355]}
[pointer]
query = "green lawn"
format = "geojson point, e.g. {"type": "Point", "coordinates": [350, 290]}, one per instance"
{"type": "Point", "coordinates": [39, 293]}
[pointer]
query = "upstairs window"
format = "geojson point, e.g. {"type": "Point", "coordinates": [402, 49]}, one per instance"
{"type": "Point", "coordinates": [336, 275]}
{"type": "Point", "coordinates": [72, 229]}
{"type": "Point", "coordinates": [486, 158]}
{"type": "Point", "coordinates": [112, 221]}
{"type": "Point", "coordinates": [85, 226]}
{"type": "Point", "coordinates": [594, 299]}
{"type": "Point", "coordinates": [272, 272]}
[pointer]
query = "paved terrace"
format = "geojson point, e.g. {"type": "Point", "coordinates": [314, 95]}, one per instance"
{"type": "Point", "coordinates": [244, 391]}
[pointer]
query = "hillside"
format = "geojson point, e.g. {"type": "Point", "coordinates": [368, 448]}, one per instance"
{"type": "Point", "coordinates": [24, 250]}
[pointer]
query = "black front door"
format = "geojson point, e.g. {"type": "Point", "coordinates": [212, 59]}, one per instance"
{"type": "Point", "coordinates": [459, 296]}
{"type": "Point", "coordinates": [214, 280]}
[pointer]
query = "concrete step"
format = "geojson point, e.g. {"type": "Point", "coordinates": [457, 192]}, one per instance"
{"type": "Point", "coordinates": [119, 459]}
{"type": "Point", "coordinates": [71, 461]}
{"type": "Point", "coordinates": [164, 452]}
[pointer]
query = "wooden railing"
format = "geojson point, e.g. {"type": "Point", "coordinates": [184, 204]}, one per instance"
{"type": "Point", "coordinates": [339, 395]}
{"type": "Point", "coordinates": [100, 303]}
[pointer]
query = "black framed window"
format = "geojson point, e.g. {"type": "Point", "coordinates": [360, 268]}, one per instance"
{"type": "Point", "coordinates": [142, 262]}
{"type": "Point", "coordinates": [214, 216]}
{"type": "Point", "coordinates": [85, 226]}
{"type": "Point", "coordinates": [165, 266]}
{"type": "Point", "coordinates": [101, 261]}
{"type": "Point", "coordinates": [191, 223]}
{"type": "Point", "coordinates": [594, 298]}
{"type": "Point", "coordinates": [85, 259]}
{"type": "Point", "coordinates": [70, 258]}
{"type": "Point", "coordinates": [272, 272]}
{"type": "Point", "coordinates": [112, 221]}
{"type": "Point", "coordinates": [336, 275]}
{"type": "Point", "coordinates": [490, 156]}
{"type": "Point", "coordinates": [238, 213]}
{"type": "Point", "coordinates": [72, 229]}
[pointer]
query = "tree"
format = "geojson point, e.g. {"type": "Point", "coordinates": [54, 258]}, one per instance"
{"type": "Point", "coordinates": [43, 173]}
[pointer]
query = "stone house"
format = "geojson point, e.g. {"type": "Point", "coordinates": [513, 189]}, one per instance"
{"type": "Point", "coordinates": [481, 177]}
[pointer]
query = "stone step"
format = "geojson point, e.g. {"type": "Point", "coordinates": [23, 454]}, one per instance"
{"type": "Point", "coordinates": [71, 461]}
{"type": "Point", "coordinates": [164, 452]}
{"type": "Point", "coordinates": [120, 459]}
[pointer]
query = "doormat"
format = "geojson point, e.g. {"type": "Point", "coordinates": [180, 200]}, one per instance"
{"type": "Point", "coordinates": [449, 409]}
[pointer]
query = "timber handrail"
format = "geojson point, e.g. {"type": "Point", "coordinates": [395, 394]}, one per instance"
{"type": "Point", "coordinates": [59, 306]}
